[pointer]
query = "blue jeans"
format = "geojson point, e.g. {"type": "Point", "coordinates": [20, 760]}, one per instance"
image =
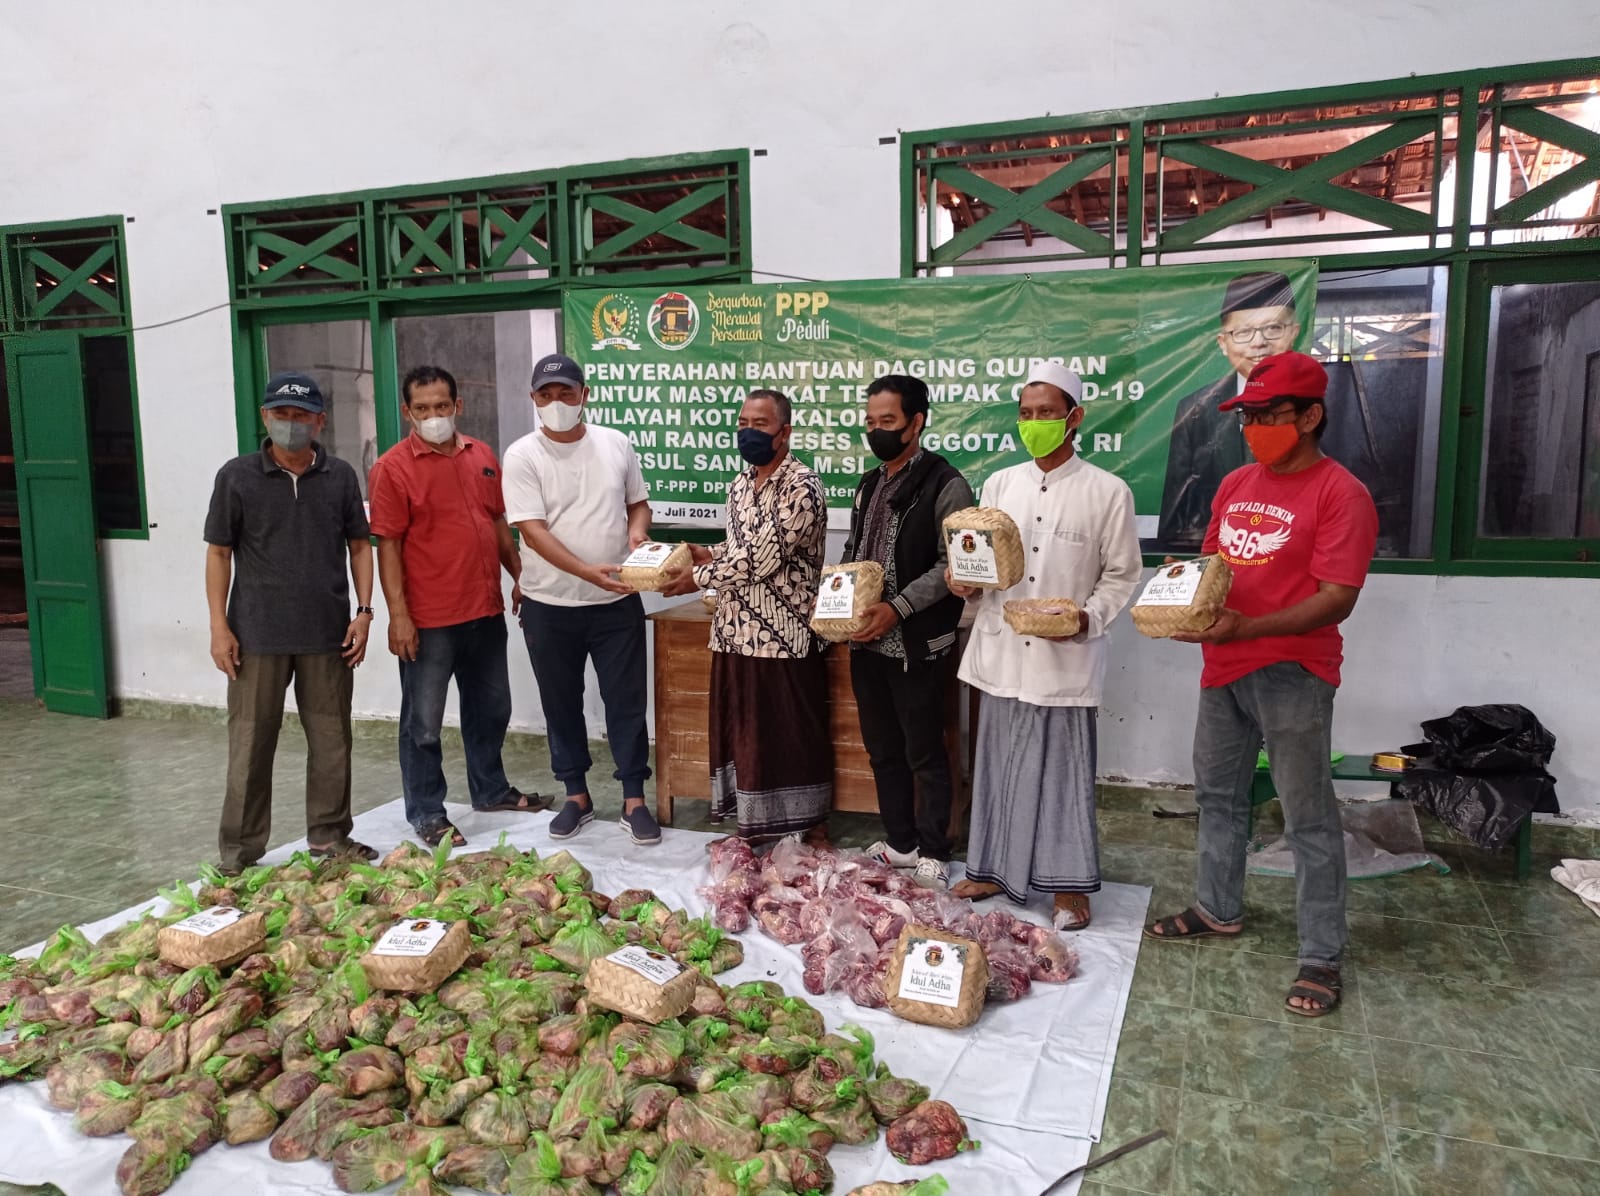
{"type": "Point", "coordinates": [1291, 711]}
{"type": "Point", "coordinates": [474, 654]}
{"type": "Point", "coordinates": [560, 640]}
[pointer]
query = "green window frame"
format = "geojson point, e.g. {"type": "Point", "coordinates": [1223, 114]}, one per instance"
{"type": "Point", "coordinates": [72, 276]}
{"type": "Point", "coordinates": [1073, 178]}
{"type": "Point", "coordinates": [475, 245]}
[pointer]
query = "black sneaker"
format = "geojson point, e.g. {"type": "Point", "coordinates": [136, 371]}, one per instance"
{"type": "Point", "coordinates": [642, 826]}
{"type": "Point", "coordinates": [573, 817]}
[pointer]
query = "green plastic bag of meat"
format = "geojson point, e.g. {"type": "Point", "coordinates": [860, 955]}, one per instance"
{"type": "Point", "coordinates": [537, 1172]}
{"type": "Point", "coordinates": [485, 1168]}
{"type": "Point", "coordinates": [378, 1157]}
{"type": "Point", "coordinates": [580, 942]}
{"type": "Point", "coordinates": [849, 1120]}
{"type": "Point", "coordinates": [73, 1076]}
{"type": "Point", "coordinates": [440, 1107]}
{"type": "Point", "coordinates": [762, 1096]}
{"type": "Point", "coordinates": [891, 1097]}
{"type": "Point", "coordinates": [713, 1121]}
{"type": "Point", "coordinates": [670, 1175]}
{"type": "Point", "coordinates": [247, 1117]}
{"type": "Point", "coordinates": [496, 1118]}
{"type": "Point", "coordinates": [932, 1185]}
{"type": "Point", "coordinates": [351, 1118]}
{"type": "Point", "coordinates": [168, 1059]}
{"type": "Point", "coordinates": [370, 1069]}
{"type": "Point", "coordinates": [150, 1167]}
{"type": "Point", "coordinates": [595, 1090]}
{"type": "Point", "coordinates": [107, 1108]}
{"type": "Point", "coordinates": [647, 1105]}
{"type": "Point", "coordinates": [648, 1052]}
{"type": "Point", "coordinates": [797, 1131]}
{"type": "Point", "coordinates": [295, 1139]}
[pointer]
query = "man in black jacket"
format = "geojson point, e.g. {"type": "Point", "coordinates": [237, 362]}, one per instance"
{"type": "Point", "coordinates": [899, 662]}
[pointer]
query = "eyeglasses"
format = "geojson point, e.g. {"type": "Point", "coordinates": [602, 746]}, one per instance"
{"type": "Point", "coordinates": [1269, 332]}
{"type": "Point", "coordinates": [1269, 417]}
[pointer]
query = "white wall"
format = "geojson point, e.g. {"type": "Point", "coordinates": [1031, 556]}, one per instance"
{"type": "Point", "coordinates": [164, 109]}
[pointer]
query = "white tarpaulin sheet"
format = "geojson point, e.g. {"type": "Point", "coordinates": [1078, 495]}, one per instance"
{"type": "Point", "coordinates": [1031, 1077]}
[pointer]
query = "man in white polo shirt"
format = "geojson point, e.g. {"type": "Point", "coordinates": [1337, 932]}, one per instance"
{"type": "Point", "coordinates": [576, 493]}
{"type": "Point", "coordinates": [1033, 825]}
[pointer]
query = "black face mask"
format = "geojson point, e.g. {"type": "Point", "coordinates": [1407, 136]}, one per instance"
{"type": "Point", "coordinates": [886, 443]}
{"type": "Point", "coordinates": [756, 446]}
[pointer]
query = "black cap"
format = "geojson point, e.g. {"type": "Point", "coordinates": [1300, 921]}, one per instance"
{"type": "Point", "coordinates": [557, 368]}
{"type": "Point", "coordinates": [294, 390]}
{"type": "Point", "coordinates": [1263, 288]}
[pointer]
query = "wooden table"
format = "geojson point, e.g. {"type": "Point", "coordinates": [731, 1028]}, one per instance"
{"type": "Point", "coordinates": [683, 711]}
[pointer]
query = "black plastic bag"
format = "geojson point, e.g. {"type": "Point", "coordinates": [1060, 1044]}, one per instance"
{"type": "Point", "coordinates": [1486, 808]}
{"type": "Point", "coordinates": [1496, 738]}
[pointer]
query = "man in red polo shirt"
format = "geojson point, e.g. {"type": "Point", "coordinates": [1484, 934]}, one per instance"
{"type": "Point", "coordinates": [1298, 531]}
{"type": "Point", "coordinates": [442, 538]}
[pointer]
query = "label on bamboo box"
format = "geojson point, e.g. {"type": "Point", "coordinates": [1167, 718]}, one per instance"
{"type": "Point", "coordinates": [836, 597]}
{"type": "Point", "coordinates": [971, 556]}
{"type": "Point", "coordinates": [933, 972]}
{"type": "Point", "coordinates": [650, 555]}
{"type": "Point", "coordinates": [1175, 585]}
{"type": "Point", "coordinates": [414, 938]}
{"type": "Point", "coordinates": [208, 921]}
{"type": "Point", "coordinates": [652, 965]}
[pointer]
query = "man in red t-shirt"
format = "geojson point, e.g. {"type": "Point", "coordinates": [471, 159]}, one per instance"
{"type": "Point", "coordinates": [442, 539]}
{"type": "Point", "coordinates": [1298, 531]}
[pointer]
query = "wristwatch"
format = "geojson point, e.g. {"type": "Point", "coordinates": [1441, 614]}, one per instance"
{"type": "Point", "coordinates": [365, 610]}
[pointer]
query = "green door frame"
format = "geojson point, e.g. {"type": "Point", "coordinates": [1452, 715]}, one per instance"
{"type": "Point", "coordinates": [55, 498]}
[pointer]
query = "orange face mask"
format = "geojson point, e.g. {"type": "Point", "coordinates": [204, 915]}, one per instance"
{"type": "Point", "coordinates": [1271, 443]}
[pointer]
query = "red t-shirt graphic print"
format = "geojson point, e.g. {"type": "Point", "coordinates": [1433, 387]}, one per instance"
{"type": "Point", "coordinates": [1283, 534]}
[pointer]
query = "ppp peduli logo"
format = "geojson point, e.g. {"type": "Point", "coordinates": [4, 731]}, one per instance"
{"type": "Point", "coordinates": [615, 323]}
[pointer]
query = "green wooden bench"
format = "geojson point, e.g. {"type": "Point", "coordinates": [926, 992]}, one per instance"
{"type": "Point", "coordinates": [1359, 768]}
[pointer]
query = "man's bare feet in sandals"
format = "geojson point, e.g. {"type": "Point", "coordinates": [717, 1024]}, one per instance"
{"type": "Point", "coordinates": [1190, 924]}
{"type": "Point", "coordinates": [1072, 911]}
{"type": "Point", "coordinates": [975, 890]}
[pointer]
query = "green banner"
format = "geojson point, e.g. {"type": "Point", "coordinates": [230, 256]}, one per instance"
{"type": "Point", "coordinates": [671, 367]}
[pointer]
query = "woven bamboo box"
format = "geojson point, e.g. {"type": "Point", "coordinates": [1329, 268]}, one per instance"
{"type": "Point", "coordinates": [417, 955]}
{"type": "Point", "coordinates": [648, 566]}
{"type": "Point", "coordinates": [218, 936]}
{"type": "Point", "coordinates": [1183, 597]}
{"type": "Point", "coordinates": [937, 979]}
{"type": "Point", "coordinates": [854, 587]}
{"type": "Point", "coordinates": [642, 984]}
{"type": "Point", "coordinates": [1049, 617]}
{"type": "Point", "coordinates": [984, 548]}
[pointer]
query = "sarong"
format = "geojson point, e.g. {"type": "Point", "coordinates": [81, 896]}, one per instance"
{"type": "Point", "coordinates": [1033, 824]}
{"type": "Point", "coordinates": [771, 750]}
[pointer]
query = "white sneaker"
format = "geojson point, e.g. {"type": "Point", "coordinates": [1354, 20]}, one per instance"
{"type": "Point", "coordinates": [931, 873]}
{"type": "Point", "coordinates": [885, 854]}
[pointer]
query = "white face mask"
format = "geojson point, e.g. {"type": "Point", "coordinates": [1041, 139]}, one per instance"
{"type": "Point", "coordinates": [438, 429]}
{"type": "Point", "coordinates": [561, 417]}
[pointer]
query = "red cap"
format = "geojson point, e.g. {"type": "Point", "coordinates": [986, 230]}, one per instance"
{"type": "Point", "coordinates": [1281, 376]}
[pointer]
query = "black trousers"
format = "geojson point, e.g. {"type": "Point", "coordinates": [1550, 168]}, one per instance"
{"type": "Point", "coordinates": [902, 708]}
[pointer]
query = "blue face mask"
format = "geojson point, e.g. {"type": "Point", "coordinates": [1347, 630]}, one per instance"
{"type": "Point", "coordinates": [756, 446]}
{"type": "Point", "coordinates": [292, 436]}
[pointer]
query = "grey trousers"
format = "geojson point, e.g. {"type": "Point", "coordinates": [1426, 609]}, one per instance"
{"type": "Point", "coordinates": [323, 685]}
{"type": "Point", "coordinates": [1291, 712]}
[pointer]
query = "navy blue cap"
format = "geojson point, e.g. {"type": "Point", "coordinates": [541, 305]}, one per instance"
{"type": "Point", "coordinates": [557, 368]}
{"type": "Point", "coordinates": [294, 390]}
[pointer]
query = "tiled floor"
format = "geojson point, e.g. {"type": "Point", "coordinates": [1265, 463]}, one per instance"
{"type": "Point", "coordinates": [1465, 1057]}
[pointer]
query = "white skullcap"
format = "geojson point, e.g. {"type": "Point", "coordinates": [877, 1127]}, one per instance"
{"type": "Point", "coordinates": [1059, 376]}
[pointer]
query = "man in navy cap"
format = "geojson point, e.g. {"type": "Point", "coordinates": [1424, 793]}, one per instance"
{"type": "Point", "coordinates": [1298, 531]}
{"type": "Point", "coordinates": [576, 493]}
{"type": "Point", "coordinates": [281, 525]}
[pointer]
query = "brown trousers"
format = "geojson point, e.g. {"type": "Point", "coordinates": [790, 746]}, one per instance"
{"type": "Point", "coordinates": [323, 685]}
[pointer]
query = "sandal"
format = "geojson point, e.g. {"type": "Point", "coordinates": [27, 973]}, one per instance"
{"type": "Point", "coordinates": [1190, 924]}
{"type": "Point", "coordinates": [434, 835]}
{"type": "Point", "coordinates": [1074, 915]}
{"type": "Point", "coordinates": [342, 849]}
{"type": "Point", "coordinates": [516, 802]}
{"type": "Point", "coordinates": [1319, 986]}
